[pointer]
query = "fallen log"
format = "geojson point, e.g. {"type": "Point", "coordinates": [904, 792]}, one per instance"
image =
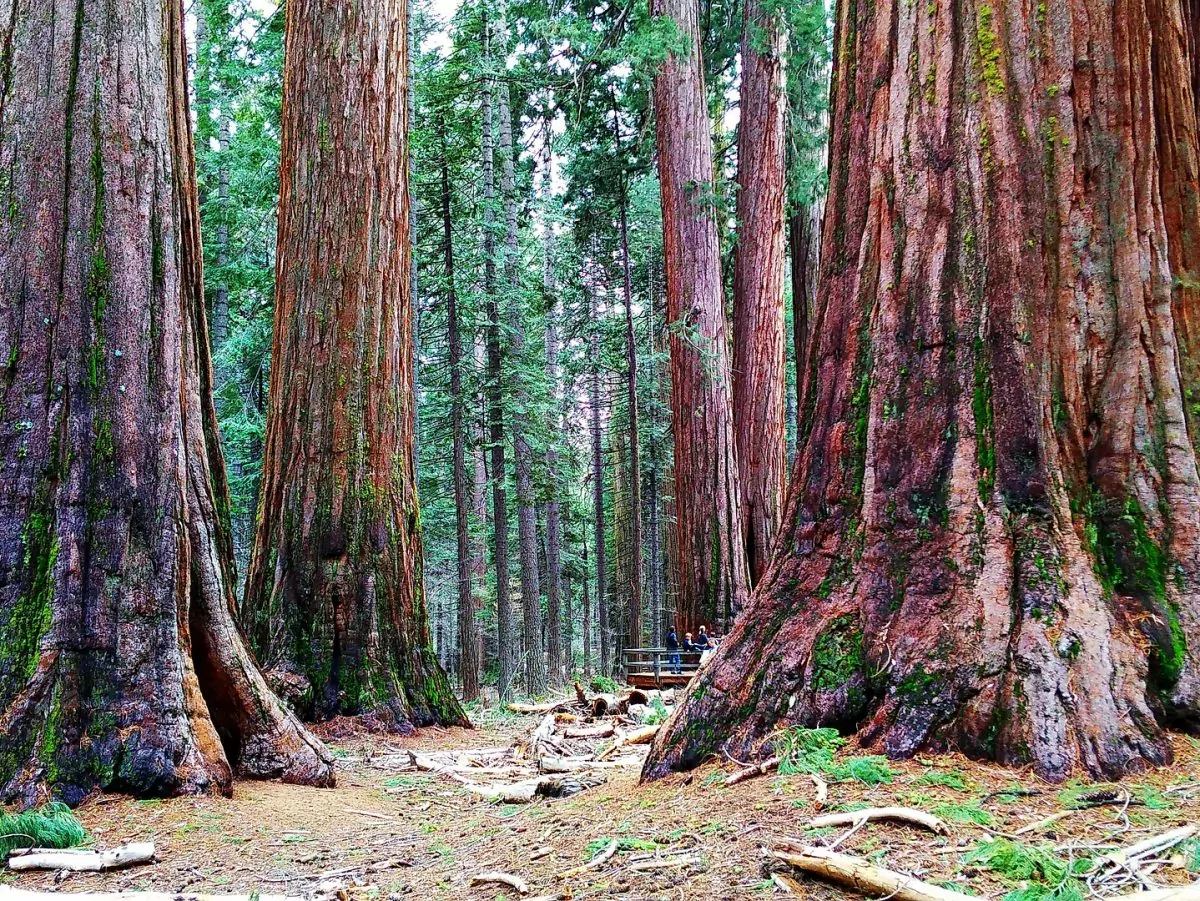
{"type": "Point", "coordinates": [868, 879]}
{"type": "Point", "coordinates": [603, 730]}
{"type": "Point", "coordinates": [635, 737]}
{"type": "Point", "coordinates": [864, 877]}
{"type": "Point", "coordinates": [544, 707]}
{"type": "Point", "coordinates": [751, 772]}
{"type": "Point", "coordinates": [514, 882]}
{"type": "Point", "coordinates": [899, 814]}
{"type": "Point", "coordinates": [83, 861]}
{"type": "Point", "coordinates": [538, 787]}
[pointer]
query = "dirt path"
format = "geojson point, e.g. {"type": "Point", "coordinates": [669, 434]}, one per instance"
{"type": "Point", "coordinates": [408, 835]}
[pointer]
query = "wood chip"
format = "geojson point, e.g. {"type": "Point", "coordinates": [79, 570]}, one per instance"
{"type": "Point", "coordinates": [514, 882]}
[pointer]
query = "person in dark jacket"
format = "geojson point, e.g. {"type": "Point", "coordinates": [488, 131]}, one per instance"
{"type": "Point", "coordinates": [702, 642]}
{"type": "Point", "coordinates": [673, 649]}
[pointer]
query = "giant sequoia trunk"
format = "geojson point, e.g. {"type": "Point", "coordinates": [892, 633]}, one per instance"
{"type": "Point", "coordinates": [333, 595]}
{"type": "Point", "coordinates": [759, 359]}
{"type": "Point", "coordinates": [711, 555]}
{"type": "Point", "coordinates": [121, 666]}
{"type": "Point", "coordinates": [992, 539]}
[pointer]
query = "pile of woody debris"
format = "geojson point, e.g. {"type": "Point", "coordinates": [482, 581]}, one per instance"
{"type": "Point", "coordinates": [577, 740]}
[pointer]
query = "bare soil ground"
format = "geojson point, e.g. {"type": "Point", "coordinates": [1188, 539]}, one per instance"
{"type": "Point", "coordinates": [407, 835]}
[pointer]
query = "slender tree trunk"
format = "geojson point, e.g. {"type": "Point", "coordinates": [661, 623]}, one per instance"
{"type": "Point", "coordinates": [597, 470]}
{"type": "Point", "coordinates": [998, 441]}
{"type": "Point", "coordinates": [587, 619]}
{"type": "Point", "coordinates": [759, 354]}
{"type": "Point", "coordinates": [531, 595]}
{"type": "Point", "coordinates": [636, 565]}
{"type": "Point", "coordinates": [712, 561]}
{"type": "Point", "coordinates": [495, 389]}
{"type": "Point", "coordinates": [553, 513]}
{"type": "Point", "coordinates": [468, 649]}
{"type": "Point", "coordinates": [334, 594]}
{"type": "Point", "coordinates": [121, 666]}
{"type": "Point", "coordinates": [653, 485]}
{"type": "Point", "coordinates": [479, 508]}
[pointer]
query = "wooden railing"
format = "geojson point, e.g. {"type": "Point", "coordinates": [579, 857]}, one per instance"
{"type": "Point", "coordinates": [659, 667]}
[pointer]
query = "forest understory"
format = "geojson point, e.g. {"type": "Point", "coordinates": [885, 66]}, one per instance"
{"type": "Point", "coordinates": [384, 833]}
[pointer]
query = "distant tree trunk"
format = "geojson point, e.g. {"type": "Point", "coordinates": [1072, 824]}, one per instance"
{"type": "Point", "coordinates": [998, 439]}
{"type": "Point", "coordinates": [587, 618]}
{"type": "Point", "coordinates": [531, 594]}
{"type": "Point", "coordinates": [636, 566]}
{"type": "Point", "coordinates": [495, 390]}
{"type": "Point", "coordinates": [121, 666]}
{"type": "Point", "coordinates": [333, 594]}
{"type": "Point", "coordinates": [479, 507]}
{"type": "Point", "coordinates": [712, 561]}
{"type": "Point", "coordinates": [221, 292]}
{"type": "Point", "coordinates": [803, 228]}
{"type": "Point", "coordinates": [468, 648]}
{"type": "Point", "coordinates": [759, 353]}
{"type": "Point", "coordinates": [553, 514]}
{"type": "Point", "coordinates": [653, 484]}
{"type": "Point", "coordinates": [597, 470]}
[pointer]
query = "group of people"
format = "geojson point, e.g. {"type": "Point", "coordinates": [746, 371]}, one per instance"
{"type": "Point", "coordinates": [703, 644]}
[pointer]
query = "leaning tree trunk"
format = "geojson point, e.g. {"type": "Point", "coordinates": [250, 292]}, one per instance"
{"type": "Point", "coordinates": [333, 594]}
{"type": "Point", "coordinates": [759, 355]}
{"type": "Point", "coordinates": [712, 560]}
{"type": "Point", "coordinates": [992, 538]}
{"type": "Point", "coordinates": [121, 666]}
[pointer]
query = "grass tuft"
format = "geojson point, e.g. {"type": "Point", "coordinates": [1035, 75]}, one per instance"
{"type": "Point", "coordinates": [1044, 875]}
{"type": "Point", "coordinates": [954, 779]}
{"type": "Point", "coordinates": [964, 813]}
{"type": "Point", "coordinates": [51, 826]}
{"type": "Point", "coordinates": [804, 750]}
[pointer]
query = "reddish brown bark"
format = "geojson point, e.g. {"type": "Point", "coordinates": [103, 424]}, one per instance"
{"type": "Point", "coordinates": [711, 554]}
{"type": "Point", "coordinates": [333, 595]}
{"type": "Point", "coordinates": [992, 540]}
{"type": "Point", "coordinates": [759, 375]}
{"type": "Point", "coordinates": [121, 666]}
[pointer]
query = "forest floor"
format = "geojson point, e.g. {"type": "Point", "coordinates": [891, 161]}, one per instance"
{"type": "Point", "coordinates": [416, 835]}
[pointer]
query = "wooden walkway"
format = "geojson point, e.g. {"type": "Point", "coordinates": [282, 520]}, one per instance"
{"type": "Point", "coordinates": [656, 667]}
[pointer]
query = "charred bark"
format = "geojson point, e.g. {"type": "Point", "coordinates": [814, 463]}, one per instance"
{"type": "Point", "coordinates": [334, 596]}
{"type": "Point", "coordinates": [997, 443]}
{"type": "Point", "coordinates": [711, 552]}
{"type": "Point", "coordinates": [759, 354]}
{"type": "Point", "coordinates": [121, 665]}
